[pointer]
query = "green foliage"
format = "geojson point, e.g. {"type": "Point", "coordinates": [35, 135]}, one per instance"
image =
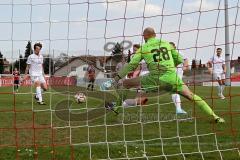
{"type": "Point", "coordinates": [117, 52]}
{"type": "Point", "coordinates": [23, 60]}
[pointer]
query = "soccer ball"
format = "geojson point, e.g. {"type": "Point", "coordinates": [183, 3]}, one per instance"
{"type": "Point", "coordinates": [80, 98]}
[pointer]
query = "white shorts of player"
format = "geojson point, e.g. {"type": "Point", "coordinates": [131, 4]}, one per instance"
{"type": "Point", "coordinates": [219, 76]}
{"type": "Point", "coordinates": [40, 79]}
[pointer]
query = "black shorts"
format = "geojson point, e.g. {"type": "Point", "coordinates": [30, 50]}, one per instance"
{"type": "Point", "coordinates": [16, 81]}
{"type": "Point", "coordinates": [92, 80]}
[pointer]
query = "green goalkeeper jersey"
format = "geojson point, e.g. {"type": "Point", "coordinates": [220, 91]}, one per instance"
{"type": "Point", "coordinates": [159, 55]}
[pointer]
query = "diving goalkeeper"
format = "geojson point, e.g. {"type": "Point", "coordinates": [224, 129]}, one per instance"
{"type": "Point", "coordinates": [161, 59]}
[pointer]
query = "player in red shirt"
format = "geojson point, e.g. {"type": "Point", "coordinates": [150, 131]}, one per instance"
{"type": "Point", "coordinates": [16, 78]}
{"type": "Point", "coordinates": [91, 76]}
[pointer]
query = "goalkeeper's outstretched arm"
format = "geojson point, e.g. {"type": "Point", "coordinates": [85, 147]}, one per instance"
{"type": "Point", "coordinates": [131, 66]}
{"type": "Point", "coordinates": [178, 59]}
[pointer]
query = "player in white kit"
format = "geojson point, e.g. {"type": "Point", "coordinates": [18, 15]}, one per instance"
{"type": "Point", "coordinates": [36, 73]}
{"type": "Point", "coordinates": [219, 69]}
{"type": "Point", "coordinates": [180, 69]}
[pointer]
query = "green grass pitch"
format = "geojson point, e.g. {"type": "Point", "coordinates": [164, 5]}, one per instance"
{"type": "Point", "coordinates": [29, 131]}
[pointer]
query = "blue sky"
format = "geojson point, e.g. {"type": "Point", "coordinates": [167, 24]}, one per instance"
{"type": "Point", "coordinates": [115, 21]}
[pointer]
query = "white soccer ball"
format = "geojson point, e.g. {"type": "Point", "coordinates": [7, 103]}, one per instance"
{"type": "Point", "coordinates": [80, 98]}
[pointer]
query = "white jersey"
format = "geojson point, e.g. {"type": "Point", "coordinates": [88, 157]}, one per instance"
{"type": "Point", "coordinates": [179, 69]}
{"type": "Point", "coordinates": [217, 63]}
{"type": "Point", "coordinates": [36, 65]}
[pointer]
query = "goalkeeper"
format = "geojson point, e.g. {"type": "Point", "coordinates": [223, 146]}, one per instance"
{"type": "Point", "coordinates": [161, 59]}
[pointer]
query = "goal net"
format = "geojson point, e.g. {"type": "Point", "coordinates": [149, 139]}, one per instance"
{"type": "Point", "coordinates": [78, 34]}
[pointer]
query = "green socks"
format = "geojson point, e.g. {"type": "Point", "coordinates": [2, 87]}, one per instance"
{"type": "Point", "coordinates": [203, 106]}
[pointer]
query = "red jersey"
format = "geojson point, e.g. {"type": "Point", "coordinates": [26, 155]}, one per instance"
{"type": "Point", "coordinates": [16, 75]}
{"type": "Point", "coordinates": [91, 72]}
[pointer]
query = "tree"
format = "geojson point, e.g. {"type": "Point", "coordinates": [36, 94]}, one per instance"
{"type": "Point", "coordinates": [61, 59]}
{"type": "Point", "coordinates": [22, 64]}
{"type": "Point", "coordinates": [28, 50]}
{"type": "Point", "coordinates": [1, 63]}
{"type": "Point", "coordinates": [117, 52]}
{"type": "Point", "coordinates": [200, 64]}
{"type": "Point", "coordinates": [22, 60]}
{"type": "Point", "coordinates": [194, 66]}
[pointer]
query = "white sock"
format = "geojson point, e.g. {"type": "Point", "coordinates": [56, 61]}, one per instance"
{"type": "Point", "coordinates": [177, 101]}
{"type": "Point", "coordinates": [129, 102]}
{"type": "Point", "coordinates": [219, 90]}
{"type": "Point", "coordinates": [39, 93]}
{"type": "Point", "coordinates": [36, 93]}
{"type": "Point", "coordinates": [223, 86]}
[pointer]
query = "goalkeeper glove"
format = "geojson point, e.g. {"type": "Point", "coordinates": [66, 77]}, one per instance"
{"type": "Point", "coordinates": [110, 83]}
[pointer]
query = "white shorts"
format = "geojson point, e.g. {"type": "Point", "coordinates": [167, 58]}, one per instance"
{"type": "Point", "coordinates": [218, 76]}
{"type": "Point", "coordinates": [40, 79]}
